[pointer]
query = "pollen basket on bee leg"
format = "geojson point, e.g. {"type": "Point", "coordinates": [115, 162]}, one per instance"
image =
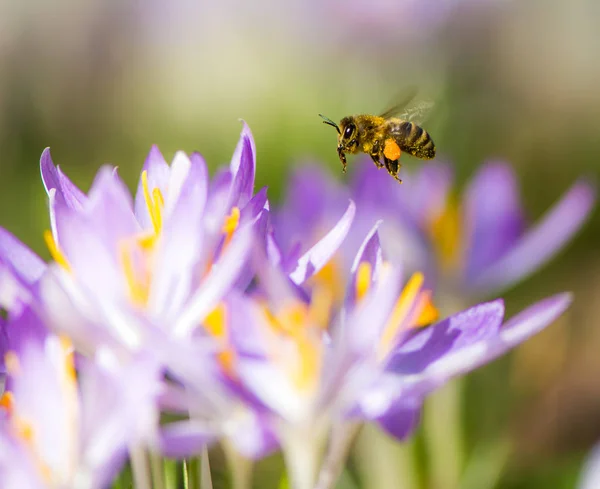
{"type": "Point", "coordinates": [391, 150]}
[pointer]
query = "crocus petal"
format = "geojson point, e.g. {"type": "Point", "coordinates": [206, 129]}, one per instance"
{"type": "Point", "coordinates": [180, 251]}
{"type": "Point", "coordinates": [462, 360]}
{"type": "Point", "coordinates": [369, 252]}
{"type": "Point", "coordinates": [54, 178]}
{"type": "Point", "coordinates": [429, 345]}
{"type": "Point", "coordinates": [185, 438]}
{"type": "Point", "coordinates": [110, 208]}
{"type": "Point", "coordinates": [158, 177]}
{"type": "Point", "coordinates": [539, 244]}
{"type": "Point", "coordinates": [494, 220]}
{"type": "Point", "coordinates": [315, 258]}
{"type": "Point", "coordinates": [243, 168]}
{"type": "Point", "coordinates": [20, 269]}
{"type": "Point", "coordinates": [219, 281]}
{"type": "Point", "coordinates": [118, 409]}
{"type": "Point", "coordinates": [402, 419]}
{"type": "Point", "coordinates": [590, 478]}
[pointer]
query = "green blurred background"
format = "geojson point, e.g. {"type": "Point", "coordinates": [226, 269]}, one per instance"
{"type": "Point", "coordinates": [101, 81]}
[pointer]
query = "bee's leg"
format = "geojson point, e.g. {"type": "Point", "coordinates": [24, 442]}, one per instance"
{"type": "Point", "coordinates": [376, 155]}
{"type": "Point", "coordinates": [393, 167]}
{"type": "Point", "coordinates": [342, 159]}
{"type": "Point", "coordinates": [376, 160]}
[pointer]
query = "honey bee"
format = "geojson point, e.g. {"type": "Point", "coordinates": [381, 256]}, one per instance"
{"type": "Point", "coordinates": [385, 137]}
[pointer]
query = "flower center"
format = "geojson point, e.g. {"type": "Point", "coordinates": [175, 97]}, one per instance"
{"type": "Point", "coordinates": [215, 324]}
{"type": "Point", "coordinates": [297, 344]}
{"type": "Point", "coordinates": [445, 230]}
{"type": "Point", "coordinates": [413, 309]}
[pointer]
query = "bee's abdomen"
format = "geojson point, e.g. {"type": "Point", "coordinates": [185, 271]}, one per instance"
{"type": "Point", "coordinates": [413, 139]}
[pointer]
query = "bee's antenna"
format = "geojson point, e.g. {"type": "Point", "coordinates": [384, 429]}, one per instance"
{"type": "Point", "coordinates": [327, 120]}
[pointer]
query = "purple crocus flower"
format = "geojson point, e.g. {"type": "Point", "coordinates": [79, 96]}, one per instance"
{"type": "Point", "coordinates": [162, 261]}
{"type": "Point", "coordinates": [59, 430]}
{"type": "Point", "coordinates": [474, 248]}
{"type": "Point", "coordinates": [314, 369]}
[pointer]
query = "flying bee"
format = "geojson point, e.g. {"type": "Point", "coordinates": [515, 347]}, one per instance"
{"type": "Point", "coordinates": [385, 137]}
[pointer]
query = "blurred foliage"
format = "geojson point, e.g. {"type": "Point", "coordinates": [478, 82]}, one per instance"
{"type": "Point", "coordinates": [102, 81]}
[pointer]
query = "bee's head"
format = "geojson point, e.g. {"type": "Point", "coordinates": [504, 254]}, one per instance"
{"type": "Point", "coordinates": [347, 139]}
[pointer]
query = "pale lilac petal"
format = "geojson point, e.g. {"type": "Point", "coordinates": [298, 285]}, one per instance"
{"type": "Point", "coordinates": [178, 175]}
{"type": "Point", "coordinates": [429, 345]}
{"type": "Point", "coordinates": [185, 438]}
{"type": "Point", "coordinates": [315, 258]}
{"type": "Point", "coordinates": [78, 241]}
{"type": "Point", "coordinates": [118, 409]}
{"type": "Point", "coordinates": [17, 469]}
{"type": "Point", "coordinates": [243, 168]}
{"type": "Point", "coordinates": [493, 216]}
{"type": "Point", "coordinates": [158, 177]}
{"type": "Point", "coordinates": [402, 419]}
{"type": "Point", "coordinates": [255, 206]}
{"type": "Point", "coordinates": [180, 250]}
{"type": "Point", "coordinates": [23, 262]}
{"type": "Point", "coordinates": [252, 436]}
{"type": "Point", "coordinates": [219, 281]}
{"type": "Point", "coordinates": [590, 477]}
{"type": "Point", "coordinates": [23, 327]}
{"type": "Point", "coordinates": [110, 208]}
{"type": "Point", "coordinates": [369, 252]}
{"type": "Point", "coordinates": [54, 178]}
{"type": "Point", "coordinates": [462, 360]}
{"type": "Point", "coordinates": [42, 377]}
{"type": "Point", "coordinates": [540, 243]}
{"type": "Point", "coordinates": [364, 325]}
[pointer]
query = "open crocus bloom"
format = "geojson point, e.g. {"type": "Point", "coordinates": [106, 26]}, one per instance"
{"type": "Point", "coordinates": [470, 248]}
{"type": "Point", "coordinates": [59, 430]}
{"type": "Point", "coordinates": [481, 244]}
{"type": "Point", "coordinates": [163, 260]}
{"type": "Point", "coordinates": [313, 367]}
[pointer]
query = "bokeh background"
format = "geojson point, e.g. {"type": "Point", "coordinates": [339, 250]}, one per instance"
{"type": "Point", "coordinates": [100, 81]}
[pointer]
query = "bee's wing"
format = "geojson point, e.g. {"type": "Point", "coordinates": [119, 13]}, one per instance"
{"type": "Point", "coordinates": [402, 102]}
{"type": "Point", "coordinates": [418, 112]}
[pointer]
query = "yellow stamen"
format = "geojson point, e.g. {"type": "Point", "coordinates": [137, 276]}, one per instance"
{"type": "Point", "coordinates": [24, 429]}
{"type": "Point", "coordinates": [309, 363]}
{"type": "Point", "coordinates": [215, 322]}
{"type": "Point", "coordinates": [299, 324]}
{"type": "Point", "coordinates": [138, 291]}
{"type": "Point", "coordinates": [320, 307]}
{"type": "Point", "coordinates": [11, 361]}
{"type": "Point", "coordinates": [232, 221]}
{"type": "Point", "coordinates": [427, 312]}
{"type": "Point", "coordinates": [7, 402]}
{"type": "Point", "coordinates": [330, 278]}
{"type": "Point", "coordinates": [363, 280]}
{"type": "Point", "coordinates": [400, 312]}
{"type": "Point", "coordinates": [69, 352]}
{"type": "Point", "coordinates": [55, 252]}
{"type": "Point", "coordinates": [154, 203]}
{"type": "Point", "coordinates": [445, 230]}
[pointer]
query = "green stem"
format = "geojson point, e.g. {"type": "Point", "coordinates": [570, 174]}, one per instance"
{"type": "Point", "coordinates": [240, 466]}
{"type": "Point", "coordinates": [384, 463]}
{"type": "Point", "coordinates": [158, 471]}
{"type": "Point", "coordinates": [205, 475]}
{"type": "Point", "coordinates": [140, 468]}
{"type": "Point", "coordinates": [340, 442]}
{"type": "Point", "coordinates": [443, 435]}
